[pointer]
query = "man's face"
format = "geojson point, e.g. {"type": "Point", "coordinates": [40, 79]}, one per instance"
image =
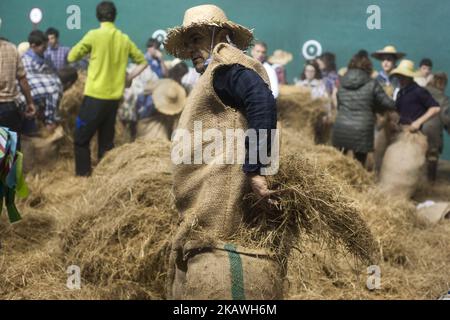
{"type": "Point", "coordinates": [39, 50]}
{"type": "Point", "coordinates": [388, 64]}
{"type": "Point", "coordinates": [259, 53]}
{"type": "Point", "coordinates": [425, 71]}
{"type": "Point", "coordinates": [199, 44]}
{"type": "Point", "coordinates": [52, 40]}
{"type": "Point", "coordinates": [154, 52]}
{"type": "Point", "coordinates": [403, 81]}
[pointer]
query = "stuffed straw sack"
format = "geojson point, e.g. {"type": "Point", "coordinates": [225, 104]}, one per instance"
{"type": "Point", "coordinates": [158, 127]}
{"type": "Point", "coordinates": [403, 164]}
{"type": "Point", "coordinates": [431, 213]}
{"type": "Point", "coordinates": [231, 273]}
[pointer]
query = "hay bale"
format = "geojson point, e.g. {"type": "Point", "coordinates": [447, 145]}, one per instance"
{"type": "Point", "coordinates": [71, 103]}
{"type": "Point", "coordinates": [41, 151]}
{"type": "Point", "coordinates": [125, 221]}
{"type": "Point", "coordinates": [297, 110]}
{"type": "Point", "coordinates": [403, 164]}
{"type": "Point", "coordinates": [413, 260]}
{"type": "Point", "coordinates": [341, 167]}
{"type": "Point", "coordinates": [312, 200]}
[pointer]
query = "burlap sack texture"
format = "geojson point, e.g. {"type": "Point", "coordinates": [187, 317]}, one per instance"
{"type": "Point", "coordinates": [386, 131]}
{"type": "Point", "coordinates": [403, 164]}
{"type": "Point", "coordinates": [158, 127]}
{"type": "Point", "coordinates": [230, 273]}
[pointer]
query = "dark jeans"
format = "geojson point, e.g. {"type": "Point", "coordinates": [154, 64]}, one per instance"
{"type": "Point", "coordinates": [10, 118]}
{"type": "Point", "coordinates": [99, 116]}
{"type": "Point", "coordinates": [360, 156]}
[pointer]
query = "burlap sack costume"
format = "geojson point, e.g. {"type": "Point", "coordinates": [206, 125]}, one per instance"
{"type": "Point", "coordinates": [209, 197]}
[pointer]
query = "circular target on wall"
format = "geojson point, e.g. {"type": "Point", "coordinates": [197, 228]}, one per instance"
{"type": "Point", "coordinates": [36, 15]}
{"type": "Point", "coordinates": [311, 49]}
{"type": "Point", "coordinates": [160, 35]}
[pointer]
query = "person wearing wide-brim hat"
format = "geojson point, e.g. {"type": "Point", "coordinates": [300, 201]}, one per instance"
{"type": "Point", "coordinates": [388, 57]}
{"type": "Point", "coordinates": [232, 93]}
{"type": "Point", "coordinates": [167, 102]}
{"type": "Point", "coordinates": [279, 60]}
{"type": "Point", "coordinates": [414, 104]}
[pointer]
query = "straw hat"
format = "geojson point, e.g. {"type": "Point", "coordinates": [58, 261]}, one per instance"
{"type": "Point", "coordinates": [172, 63]}
{"type": "Point", "coordinates": [169, 97]}
{"type": "Point", "coordinates": [280, 57]}
{"type": "Point", "coordinates": [405, 68]}
{"type": "Point", "coordinates": [200, 17]}
{"type": "Point", "coordinates": [388, 50]}
{"type": "Point", "coordinates": [150, 86]}
{"type": "Point", "coordinates": [23, 47]}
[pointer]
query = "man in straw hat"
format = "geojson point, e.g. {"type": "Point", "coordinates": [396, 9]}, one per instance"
{"type": "Point", "coordinates": [279, 60]}
{"type": "Point", "coordinates": [388, 57]}
{"type": "Point", "coordinates": [259, 52]}
{"type": "Point", "coordinates": [415, 104]}
{"type": "Point", "coordinates": [232, 93]}
{"type": "Point", "coordinates": [159, 109]}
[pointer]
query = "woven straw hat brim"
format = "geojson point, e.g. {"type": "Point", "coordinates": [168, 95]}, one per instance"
{"type": "Point", "coordinates": [282, 60]}
{"type": "Point", "coordinates": [175, 41]}
{"type": "Point", "coordinates": [403, 72]}
{"type": "Point", "coordinates": [162, 102]}
{"type": "Point", "coordinates": [380, 54]}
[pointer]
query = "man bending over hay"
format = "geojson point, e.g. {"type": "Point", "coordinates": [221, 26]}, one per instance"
{"type": "Point", "coordinates": [232, 93]}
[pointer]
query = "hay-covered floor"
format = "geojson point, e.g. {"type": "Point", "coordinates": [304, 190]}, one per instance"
{"type": "Point", "coordinates": [117, 225]}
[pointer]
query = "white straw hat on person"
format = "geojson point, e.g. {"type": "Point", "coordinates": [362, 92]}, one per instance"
{"type": "Point", "coordinates": [388, 51]}
{"type": "Point", "coordinates": [202, 16]}
{"type": "Point", "coordinates": [23, 47]}
{"type": "Point", "coordinates": [169, 97]}
{"type": "Point", "coordinates": [405, 68]}
{"type": "Point", "coordinates": [280, 57]}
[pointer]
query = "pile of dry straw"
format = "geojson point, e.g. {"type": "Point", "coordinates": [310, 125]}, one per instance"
{"type": "Point", "coordinates": [116, 226]}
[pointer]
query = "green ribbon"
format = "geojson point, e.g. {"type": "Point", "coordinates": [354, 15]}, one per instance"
{"type": "Point", "coordinates": [237, 273]}
{"type": "Point", "coordinates": [9, 195]}
{"type": "Point", "coordinates": [21, 187]}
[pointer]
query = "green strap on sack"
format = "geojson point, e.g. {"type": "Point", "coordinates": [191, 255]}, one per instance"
{"type": "Point", "coordinates": [237, 273]}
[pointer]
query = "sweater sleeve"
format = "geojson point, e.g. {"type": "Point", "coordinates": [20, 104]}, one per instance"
{"type": "Point", "coordinates": [246, 91]}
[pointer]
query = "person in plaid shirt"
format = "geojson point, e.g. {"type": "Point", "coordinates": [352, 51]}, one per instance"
{"type": "Point", "coordinates": [13, 78]}
{"type": "Point", "coordinates": [55, 52]}
{"type": "Point", "coordinates": [46, 87]}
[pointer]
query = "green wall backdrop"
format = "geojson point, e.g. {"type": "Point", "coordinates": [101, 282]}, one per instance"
{"type": "Point", "coordinates": [417, 27]}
